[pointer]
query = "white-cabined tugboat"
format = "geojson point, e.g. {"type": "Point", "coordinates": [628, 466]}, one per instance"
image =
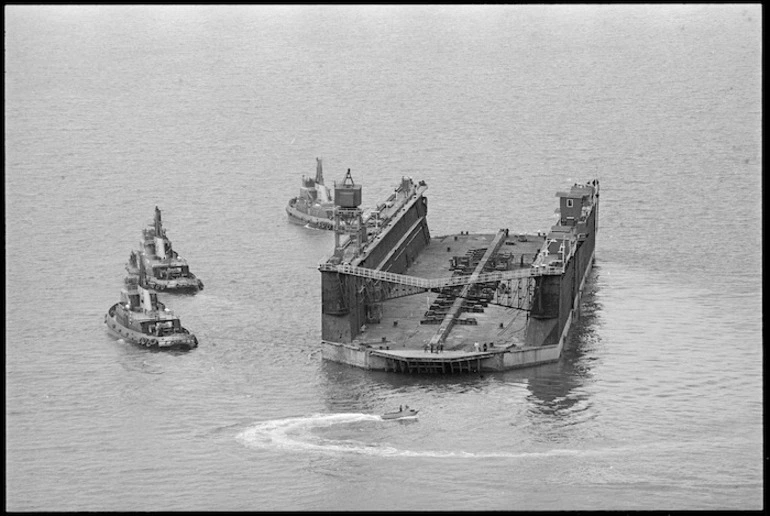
{"type": "Point", "coordinates": [141, 319]}
{"type": "Point", "coordinates": [165, 270]}
{"type": "Point", "coordinates": [313, 207]}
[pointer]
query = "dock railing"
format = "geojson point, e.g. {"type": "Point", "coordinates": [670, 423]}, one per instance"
{"type": "Point", "coordinates": [431, 283]}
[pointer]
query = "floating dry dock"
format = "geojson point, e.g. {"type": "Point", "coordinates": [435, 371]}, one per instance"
{"type": "Point", "coordinates": [396, 299]}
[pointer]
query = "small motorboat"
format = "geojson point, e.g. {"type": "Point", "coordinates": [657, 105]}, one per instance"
{"type": "Point", "coordinates": [403, 412]}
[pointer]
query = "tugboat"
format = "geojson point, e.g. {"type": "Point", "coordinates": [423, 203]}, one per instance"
{"type": "Point", "coordinates": [313, 207]}
{"type": "Point", "coordinates": [141, 319]}
{"type": "Point", "coordinates": [165, 269]}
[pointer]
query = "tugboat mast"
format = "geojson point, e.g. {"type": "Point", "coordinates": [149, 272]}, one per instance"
{"type": "Point", "coordinates": [158, 223]}
{"type": "Point", "coordinates": [319, 173]}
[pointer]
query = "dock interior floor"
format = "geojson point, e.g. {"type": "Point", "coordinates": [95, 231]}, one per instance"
{"type": "Point", "coordinates": [400, 325]}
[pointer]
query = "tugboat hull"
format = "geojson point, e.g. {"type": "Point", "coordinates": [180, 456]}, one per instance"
{"type": "Point", "coordinates": [183, 285]}
{"type": "Point", "coordinates": [313, 207]}
{"type": "Point", "coordinates": [309, 221]}
{"type": "Point", "coordinates": [189, 284]}
{"type": "Point", "coordinates": [184, 340]}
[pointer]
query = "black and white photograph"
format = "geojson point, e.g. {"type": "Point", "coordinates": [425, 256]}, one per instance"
{"type": "Point", "coordinates": [383, 257]}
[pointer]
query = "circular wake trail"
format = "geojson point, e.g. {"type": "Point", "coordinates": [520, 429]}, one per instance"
{"type": "Point", "coordinates": [295, 434]}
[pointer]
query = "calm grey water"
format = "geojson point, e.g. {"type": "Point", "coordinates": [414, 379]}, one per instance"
{"type": "Point", "coordinates": [214, 113]}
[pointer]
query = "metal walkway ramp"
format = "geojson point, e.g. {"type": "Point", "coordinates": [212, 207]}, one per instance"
{"type": "Point", "coordinates": [427, 284]}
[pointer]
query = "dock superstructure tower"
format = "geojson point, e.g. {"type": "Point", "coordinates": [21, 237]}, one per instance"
{"type": "Point", "coordinates": [348, 217]}
{"type": "Point", "coordinates": [569, 248]}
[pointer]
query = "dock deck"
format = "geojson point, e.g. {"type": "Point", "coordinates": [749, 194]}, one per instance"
{"type": "Point", "coordinates": [404, 336]}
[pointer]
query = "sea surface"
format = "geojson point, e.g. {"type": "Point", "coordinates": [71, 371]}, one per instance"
{"type": "Point", "coordinates": [213, 114]}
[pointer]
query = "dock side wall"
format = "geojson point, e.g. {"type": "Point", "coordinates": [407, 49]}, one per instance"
{"type": "Point", "coordinates": [337, 295]}
{"type": "Point", "coordinates": [555, 297]}
{"type": "Point", "coordinates": [345, 354]}
{"type": "Point", "coordinates": [585, 253]}
{"type": "Point", "coordinates": [569, 289]}
{"type": "Point", "coordinates": [574, 277]}
{"type": "Point", "coordinates": [522, 357]}
{"type": "Point", "coordinates": [389, 248]}
{"type": "Point", "coordinates": [343, 309]}
{"type": "Point", "coordinates": [542, 327]}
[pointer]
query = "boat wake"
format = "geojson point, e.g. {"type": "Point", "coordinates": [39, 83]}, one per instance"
{"type": "Point", "coordinates": [297, 434]}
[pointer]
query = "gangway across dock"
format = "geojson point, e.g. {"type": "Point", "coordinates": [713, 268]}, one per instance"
{"type": "Point", "coordinates": [434, 283]}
